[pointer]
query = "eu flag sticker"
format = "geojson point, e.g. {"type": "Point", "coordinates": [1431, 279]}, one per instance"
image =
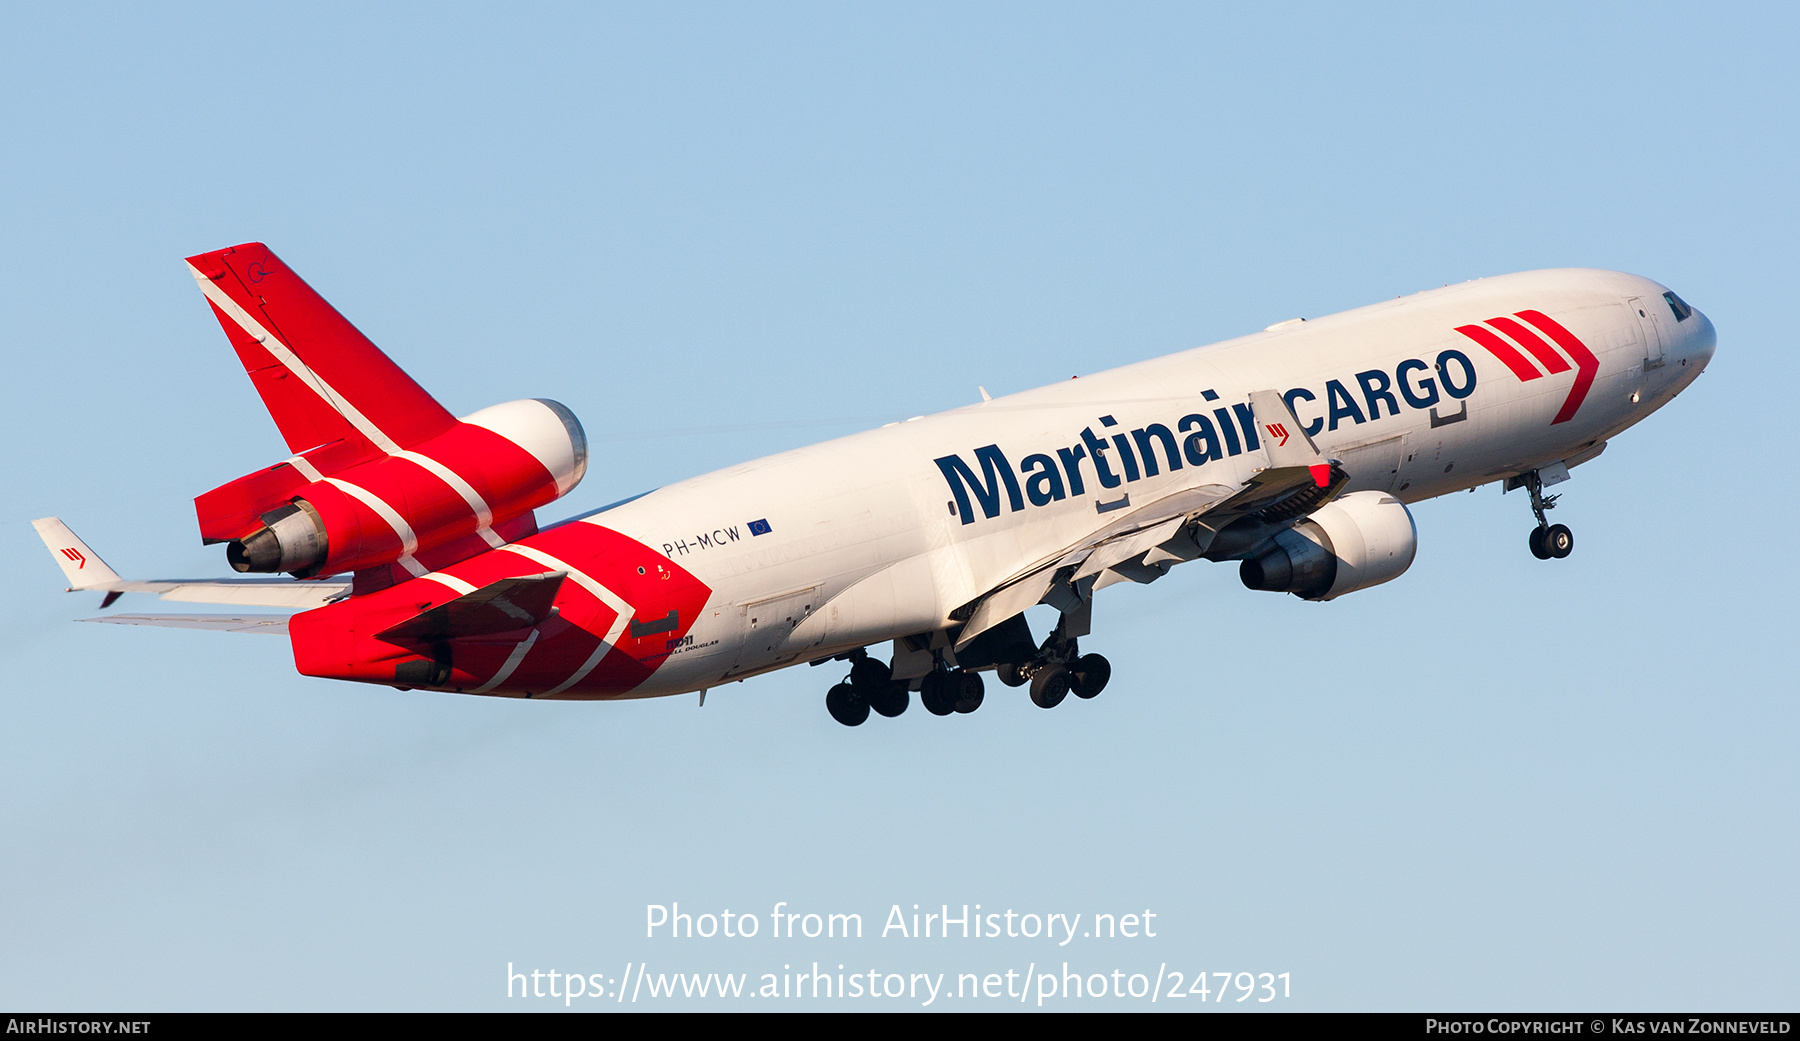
{"type": "Point", "coordinates": [759, 527]}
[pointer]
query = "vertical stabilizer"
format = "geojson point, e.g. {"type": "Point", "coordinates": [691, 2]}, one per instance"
{"type": "Point", "coordinates": [320, 378]}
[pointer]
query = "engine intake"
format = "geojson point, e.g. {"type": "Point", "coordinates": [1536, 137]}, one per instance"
{"type": "Point", "coordinates": [1359, 540]}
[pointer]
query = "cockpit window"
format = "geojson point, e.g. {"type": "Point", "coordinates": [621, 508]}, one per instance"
{"type": "Point", "coordinates": [1679, 306]}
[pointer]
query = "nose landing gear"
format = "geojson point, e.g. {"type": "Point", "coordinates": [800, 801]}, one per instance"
{"type": "Point", "coordinates": [1553, 542]}
{"type": "Point", "coordinates": [1548, 541]}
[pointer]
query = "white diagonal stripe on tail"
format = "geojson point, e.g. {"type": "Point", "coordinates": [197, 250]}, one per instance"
{"type": "Point", "coordinates": [409, 542]}
{"type": "Point", "coordinates": [287, 357]}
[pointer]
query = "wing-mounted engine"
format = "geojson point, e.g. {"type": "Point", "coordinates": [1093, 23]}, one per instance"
{"type": "Point", "coordinates": [1356, 541]}
{"type": "Point", "coordinates": [381, 474]}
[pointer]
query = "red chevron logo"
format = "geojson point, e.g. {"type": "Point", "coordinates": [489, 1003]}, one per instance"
{"type": "Point", "coordinates": [75, 555]}
{"type": "Point", "coordinates": [1586, 365]}
{"type": "Point", "coordinates": [1278, 430]}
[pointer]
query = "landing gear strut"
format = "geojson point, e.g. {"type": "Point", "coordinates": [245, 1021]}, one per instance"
{"type": "Point", "coordinates": [1547, 540]}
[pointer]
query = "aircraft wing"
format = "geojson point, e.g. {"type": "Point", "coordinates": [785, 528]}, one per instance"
{"type": "Point", "coordinates": [85, 570]}
{"type": "Point", "coordinates": [275, 624]}
{"type": "Point", "coordinates": [1116, 544]}
{"type": "Point", "coordinates": [1142, 545]}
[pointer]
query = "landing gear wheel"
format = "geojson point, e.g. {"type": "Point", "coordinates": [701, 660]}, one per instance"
{"type": "Point", "coordinates": [1091, 672]}
{"type": "Point", "coordinates": [1050, 686]}
{"type": "Point", "coordinates": [845, 707]}
{"type": "Point", "coordinates": [1547, 540]}
{"type": "Point", "coordinates": [890, 699]}
{"type": "Point", "coordinates": [969, 690]}
{"type": "Point", "coordinates": [869, 675]}
{"type": "Point", "coordinates": [938, 694]}
{"type": "Point", "coordinates": [1011, 676]}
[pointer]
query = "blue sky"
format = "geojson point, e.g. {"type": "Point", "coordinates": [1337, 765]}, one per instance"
{"type": "Point", "coordinates": [721, 231]}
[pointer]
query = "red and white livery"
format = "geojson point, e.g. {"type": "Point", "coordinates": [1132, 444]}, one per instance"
{"type": "Point", "coordinates": [410, 540]}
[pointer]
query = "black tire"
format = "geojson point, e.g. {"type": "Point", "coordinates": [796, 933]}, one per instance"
{"type": "Point", "coordinates": [1559, 541]}
{"type": "Point", "coordinates": [969, 690]}
{"type": "Point", "coordinates": [937, 694]}
{"type": "Point", "coordinates": [845, 706]}
{"type": "Point", "coordinates": [1538, 549]}
{"type": "Point", "coordinates": [870, 675]}
{"type": "Point", "coordinates": [1050, 686]}
{"type": "Point", "coordinates": [891, 699]}
{"type": "Point", "coordinates": [1091, 673]}
{"type": "Point", "coordinates": [1012, 676]}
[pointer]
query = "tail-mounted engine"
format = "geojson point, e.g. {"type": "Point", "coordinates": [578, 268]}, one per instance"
{"type": "Point", "coordinates": [1359, 540]}
{"type": "Point", "coordinates": [472, 487]}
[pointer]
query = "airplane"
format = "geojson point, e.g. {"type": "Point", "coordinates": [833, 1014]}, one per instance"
{"type": "Point", "coordinates": [409, 541]}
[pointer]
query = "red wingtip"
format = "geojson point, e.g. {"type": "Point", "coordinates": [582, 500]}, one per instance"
{"type": "Point", "coordinates": [1321, 474]}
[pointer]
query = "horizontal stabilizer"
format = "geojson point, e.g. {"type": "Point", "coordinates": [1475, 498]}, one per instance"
{"type": "Point", "coordinates": [505, 606]}
{"type": "Point", "coordinates": [274, 624]}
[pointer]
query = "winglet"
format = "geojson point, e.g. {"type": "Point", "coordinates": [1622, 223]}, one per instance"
{"type": "Point", "coordinates": [81, 565]}
{"type": "Point", "coordinates": [1286, 439]}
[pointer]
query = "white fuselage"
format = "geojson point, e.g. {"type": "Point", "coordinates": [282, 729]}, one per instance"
{"type": "Point", "coordinates": [865, 541]}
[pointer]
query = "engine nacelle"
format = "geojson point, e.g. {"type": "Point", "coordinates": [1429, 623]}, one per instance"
{"type": "Point", "coordinates": [320, 515]}
{"type": "Point", "coordinates": [1359, 540]}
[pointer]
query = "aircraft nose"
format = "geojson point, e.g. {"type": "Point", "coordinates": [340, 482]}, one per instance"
{"type": "Point", "coordinates": [1701, 342]}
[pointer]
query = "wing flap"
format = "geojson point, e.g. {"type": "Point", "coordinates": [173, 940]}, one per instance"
{"type": "Point", "coordinates": [1005, 602]}
{"type": "Point", "coordinates": [1130, 536]}
{"type": "Point", "coordinates": [1124, 548]}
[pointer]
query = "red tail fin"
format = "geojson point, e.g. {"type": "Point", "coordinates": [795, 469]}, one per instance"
{"type": "Point", "coordinates": [320, 378]}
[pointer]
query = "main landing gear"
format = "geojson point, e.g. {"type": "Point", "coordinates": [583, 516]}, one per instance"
{"type": "Point", "coordinates": [951, 690]}
{"type": "Point", "coordinates": [1548, 541]}
{"type": "Point", "coordinates": [870, 685]}
{"type": "Point", "coordinates": [1055, 671]}
{"type": "Point", "coordinates": [1058, 670]}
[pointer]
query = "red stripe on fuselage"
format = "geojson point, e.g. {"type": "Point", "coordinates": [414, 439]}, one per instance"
{"type": "Point", "coordinates": [1586, 365]}
{"type": "Point", "coordinates": [1546, 355]}
{"type": "Point", "coordinates": [1502, 350]}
